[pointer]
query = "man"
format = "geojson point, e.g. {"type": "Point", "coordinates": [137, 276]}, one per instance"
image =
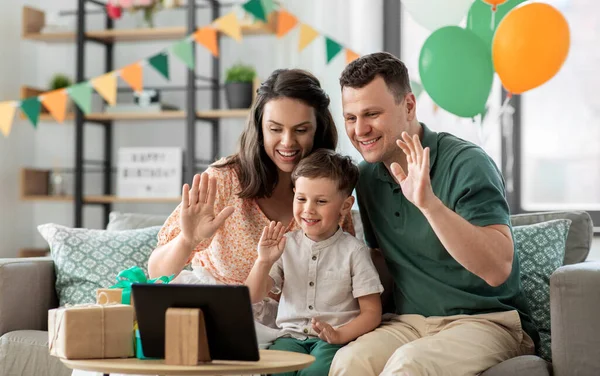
{"type": "Point", "coordinates": [434, 206]}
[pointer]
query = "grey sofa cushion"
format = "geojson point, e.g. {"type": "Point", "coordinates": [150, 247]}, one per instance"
{"type": "Point", "coordinates": [118, 221]}
{"type": "Point", "coordinates": [581, 232]}
{"type": "Point", "coordinates": [527, 365]}
{"type": "Point", "coordinates": [25, 352]}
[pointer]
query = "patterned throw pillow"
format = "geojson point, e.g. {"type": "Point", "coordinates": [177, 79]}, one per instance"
{"type": "Point", "coordinates": [541, 250]}
{"type": "Point", "coordinates": [86, 260]}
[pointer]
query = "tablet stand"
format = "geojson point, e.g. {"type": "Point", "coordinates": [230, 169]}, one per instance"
{"type": "Point", "coordinates": [186, 342]}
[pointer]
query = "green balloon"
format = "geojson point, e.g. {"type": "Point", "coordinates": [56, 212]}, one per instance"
{"type": "Point", "coordinates": [479, 18]}
{"type": "Point", "coordinates": [456, 70]}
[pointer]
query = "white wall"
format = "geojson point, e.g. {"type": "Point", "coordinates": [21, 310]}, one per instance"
{"type": "Point", "coordinates": [16, 217]}
{"type": "Point", "coordinates": [52, 145]}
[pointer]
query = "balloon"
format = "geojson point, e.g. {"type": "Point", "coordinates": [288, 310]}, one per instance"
{"type": "Point", "coordinates": [456, 70]}
{"type": "Point", "coordinates": [479, 19]}
{"type": "Point", "coordinates": [433, 14]}
{"type": "Point", "coordinates": [494, 3]}
{"type": "Point", "coordinates": [530, 46]}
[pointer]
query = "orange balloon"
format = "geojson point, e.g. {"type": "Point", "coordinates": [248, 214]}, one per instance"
{"type": "Point", "coordinates": [495, 3]}
{"type": "Point", "coordinates": [530, 46]}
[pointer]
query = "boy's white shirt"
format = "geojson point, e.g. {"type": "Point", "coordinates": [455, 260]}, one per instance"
{"type": "Point", "coordinates": [340, 269]}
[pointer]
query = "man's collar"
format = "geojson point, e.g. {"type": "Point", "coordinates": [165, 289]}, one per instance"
{"type": "Point", "coordinates": [429, 139]}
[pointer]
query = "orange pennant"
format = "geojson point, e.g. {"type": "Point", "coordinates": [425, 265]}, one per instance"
{"type": "Point", "coordinates": [106, 86]}
{"type": "Point", "coordinates": [207, 36]}
{"type": "Point", "coordinates": [56, 103]}
{"type": "Point", "coordinates": [229, 25]}
{"type": "Point", "coordinates": [133, 76]}
{"type": "Point", "coordinates": [351, 56]}
{"type": "Point", "coordinates": [285, 22]}
{"type": "Point", "coordinates": [7, 115]}
{"type": "Point", "coordinates": [307, 35]}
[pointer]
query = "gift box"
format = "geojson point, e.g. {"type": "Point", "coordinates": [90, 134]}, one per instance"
{"type": "Point", "coordinates": [91, 331]}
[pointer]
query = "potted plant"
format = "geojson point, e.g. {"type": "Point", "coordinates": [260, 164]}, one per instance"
{"type": "Point", "coordinates": [59, 81]}
{"type": "Point", "coordinates": [239, 80]}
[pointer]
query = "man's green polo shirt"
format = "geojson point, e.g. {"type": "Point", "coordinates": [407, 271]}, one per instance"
{"type": "Point", "coordinates": [428, 281]}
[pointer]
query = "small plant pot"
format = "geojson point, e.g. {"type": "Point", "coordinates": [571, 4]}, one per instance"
{"type": "Point", "coordinates": [238, 94]}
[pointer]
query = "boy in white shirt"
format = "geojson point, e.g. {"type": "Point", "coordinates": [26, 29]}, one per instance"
{"type": "Point", "coordinates": [331, 293]}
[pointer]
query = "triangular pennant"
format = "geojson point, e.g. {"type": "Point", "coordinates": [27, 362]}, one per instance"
{"type": "Point", "coordinates": [56, 103]}
{"type": "Point", "coordinates": [268, 6]}
{"type": "Point", "coordinates": [106, 86]}
{"type": "Point", "coordinates": [185, 52]}
{"type": "Point", "coordinates": [7, 114]}
{"type": "Point", "coordinates": [416, 87]}
{"type": "Point", "coordinates": [160, 63]}
{"type": "Point", "coordinates": [207, 36]}
{"type": "Point", "coordinates": [133, 75]}
{"type": "Point", "coordinates": [333, 48]}
{"type": "Point", "coordinates": [82, 96]}
{"type": "Point", "coordinates": [351, 56]}
{"type": "Point", "coordinates": [307, 35]}
{"type": "Point", "coordinates": [255, 8]}
{"type": "Point", "coordinates": [229, 25]}
{"type": "Point", "coordinates": [31, 108]}
{"type": "Point", "coordinates": [285, 22]}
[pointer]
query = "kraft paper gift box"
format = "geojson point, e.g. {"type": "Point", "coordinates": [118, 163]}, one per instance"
{"type": "Point", "coordinates": [91, 331]}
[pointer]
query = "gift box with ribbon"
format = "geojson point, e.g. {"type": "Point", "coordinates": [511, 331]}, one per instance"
{"type": "Point", "coordinates": [135, 274]}
{"type": "Point", "coordinates": [91, 331]}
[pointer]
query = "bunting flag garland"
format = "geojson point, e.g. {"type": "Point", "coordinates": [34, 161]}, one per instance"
{"type": "Point", "coordinates": [133, 75]}
{"type": "Point", "coordinates": [229, 25]}
{"type": "Point", "coordinates": [106, 86]}
{"type": "Point", "coordinates": [82, 96]}
{"type": "Point", "coordinates": [160, 63]}
{"type": "Point", "coordinates": [285, 22]}
{"type": "Point", "coordinates": [7, 114]}
{"type": "Point", "coordinates": [416, 87]}
{"type": "Point", "coordinates": [351, 56]}
{"type": "Point", "coordinates": [185, 52]}
{"type": "Point", "coordinates": [31, 108]}
{"type": "Point", "coordinates": [333, 48]}
{"type": "Point", "coordinates": [307, 35]}
{"type": "Point", "coordinates": [207, 36]}
{"type": "Point", "coordinates": [255, 8]}
{"type": "Point", "coordinates": [56, 103]}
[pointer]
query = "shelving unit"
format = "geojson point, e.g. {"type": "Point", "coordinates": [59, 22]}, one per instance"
{"type": "Point", "coordinates": [35, 183]}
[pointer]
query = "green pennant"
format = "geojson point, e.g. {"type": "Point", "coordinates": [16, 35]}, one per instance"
{"type": "Point", "coordinates": [255, 8]}
{"type": "Point", "coordinates": [160, 62]}
{"type": "Point", "coordinates": [31, 108]}
{"type": "Point", "coordinates": [333, 48]}
{"type": "Point", "coordinates": [82, 96]}
{"type": "Point", "coordinates": [268, 6]}
{"type": "Point", "coordinates": [185, 52]}
{"type": "Point", "coordinates": [416, 87]}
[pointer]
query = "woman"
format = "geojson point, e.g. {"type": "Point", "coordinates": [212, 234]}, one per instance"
{"type": "Point", "coordinates": [289, 119]}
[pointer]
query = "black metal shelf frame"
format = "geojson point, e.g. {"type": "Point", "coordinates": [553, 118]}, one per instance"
{"type": "Point", "coordinates": [190, 162]}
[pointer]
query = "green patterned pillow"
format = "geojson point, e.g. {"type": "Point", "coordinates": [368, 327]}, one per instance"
{"type": "Point", "coordinates": [86, 260]}
{"type": "Point", "coordinates": [541, 250]}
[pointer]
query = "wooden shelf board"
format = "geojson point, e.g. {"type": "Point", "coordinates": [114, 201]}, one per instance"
{"type": "Point", "coordinates": [133, 35]}
{"type": "Point", "coordinates": [102, 199]}
{"type": "Point", "coordinates": [165, 115]}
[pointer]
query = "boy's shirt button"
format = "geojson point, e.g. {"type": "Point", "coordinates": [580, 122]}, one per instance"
{"type": "Point", "coordinates": [311, 284]}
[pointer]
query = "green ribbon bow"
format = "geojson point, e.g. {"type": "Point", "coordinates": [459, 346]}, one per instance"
{"type": "Point", "coordinates": [135, 274]}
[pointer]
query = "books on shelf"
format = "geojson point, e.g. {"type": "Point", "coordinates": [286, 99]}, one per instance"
{"type": "Point", "coordinates": [149, 172]}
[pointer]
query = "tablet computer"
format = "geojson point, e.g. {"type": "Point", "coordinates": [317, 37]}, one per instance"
{"type": "Point", "coordinates": [227, 313]}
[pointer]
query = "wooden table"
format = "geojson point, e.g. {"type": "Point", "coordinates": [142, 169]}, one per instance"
{"type": "Point", "coordinates": [271, 361]}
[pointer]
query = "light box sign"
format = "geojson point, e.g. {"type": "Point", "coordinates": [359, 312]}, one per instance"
{"type": "Point", "coordinates": [149, 172]}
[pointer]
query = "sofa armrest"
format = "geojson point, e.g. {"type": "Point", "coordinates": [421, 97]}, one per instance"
{"type": "Point", "coordinates": [26, 293]}
{"type": "Point", "coordinates": [574, 307]}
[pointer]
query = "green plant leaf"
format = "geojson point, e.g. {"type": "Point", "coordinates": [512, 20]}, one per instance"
{"type": "Point", "coordinates": [240, 73]}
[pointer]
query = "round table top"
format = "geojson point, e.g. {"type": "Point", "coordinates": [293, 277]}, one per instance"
{"type": "Point", "coordinates": [271, 361]}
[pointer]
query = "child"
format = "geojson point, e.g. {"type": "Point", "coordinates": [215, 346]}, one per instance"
{"type": "Point", "coordinates": [331, 291]}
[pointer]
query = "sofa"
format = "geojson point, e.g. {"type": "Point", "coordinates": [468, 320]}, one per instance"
{"type": "Point", "coordinates": [27, 293]}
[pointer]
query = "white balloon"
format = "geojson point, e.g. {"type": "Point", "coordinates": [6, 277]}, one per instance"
{"type": "Point", "coordinates": [433, 14]}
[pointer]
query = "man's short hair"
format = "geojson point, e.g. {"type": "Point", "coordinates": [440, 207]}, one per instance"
{"type": "Point", "coordinates": [325, 163]}
{"type": "Point", "coordinates": [363, 70]}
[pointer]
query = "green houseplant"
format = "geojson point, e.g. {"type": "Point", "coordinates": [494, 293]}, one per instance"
{"type": "Point", "coordinates": [239, 79]}
{"type": "Point", "coordinates": [59, 81]}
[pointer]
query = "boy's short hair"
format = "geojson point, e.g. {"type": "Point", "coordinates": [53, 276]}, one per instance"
{"type": "Point", "coordinates": [324, 163]}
